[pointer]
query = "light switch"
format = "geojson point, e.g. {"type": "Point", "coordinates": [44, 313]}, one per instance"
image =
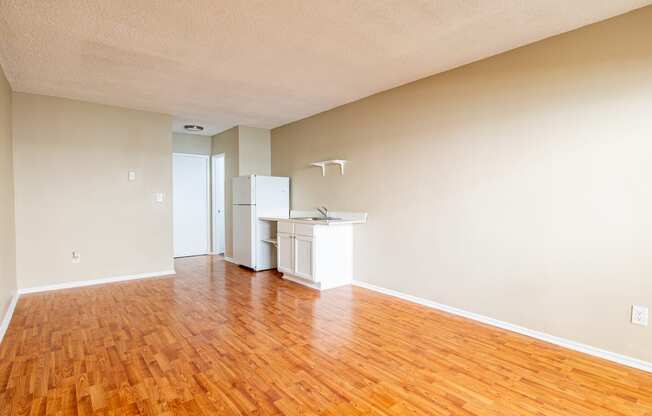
{"type": "Point", "coordinates": [132, 175]}
{"type": "Point", "coordinates": [159, 197]}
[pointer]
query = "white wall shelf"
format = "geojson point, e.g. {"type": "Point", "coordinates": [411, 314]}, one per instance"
{"type": "Point", "coordinates": [323, 163]}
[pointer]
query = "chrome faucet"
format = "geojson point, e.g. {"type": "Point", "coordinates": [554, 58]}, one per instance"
{"type": "Point", "coordinates": [323, 211]}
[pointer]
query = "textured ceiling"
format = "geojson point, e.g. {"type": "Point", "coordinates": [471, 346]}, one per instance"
{"type": "Point", "coordinates": [258, 62]}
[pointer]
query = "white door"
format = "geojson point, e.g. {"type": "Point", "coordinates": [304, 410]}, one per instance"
{"type": "Point", "coordinates": [219, 228]}
{"type": "Point", "coordinates": [285, 251]}
{"type": "Point", "coordinates": [303, 257]}
{"type": "Point", "coordinates": [244, 238]}
{"type": "Point", "coordinates": [190, 204]}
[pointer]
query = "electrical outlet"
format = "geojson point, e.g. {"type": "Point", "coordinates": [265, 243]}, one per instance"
{"type": "Point", "coordinates": [639, 315]}
{"type": "Point", "coordinates": [159, 197]}
{"type": "Point", "coordinates": [132, 175]}
{"type": "Point", "coordinates": [75, 257]}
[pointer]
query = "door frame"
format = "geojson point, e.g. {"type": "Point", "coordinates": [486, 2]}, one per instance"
{"type": "Point", "coordinates": [213, 221]}
{"type": "Point", "coordinates": [208, 196]}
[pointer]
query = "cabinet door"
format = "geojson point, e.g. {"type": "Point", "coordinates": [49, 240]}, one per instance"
{"type": "Point", "coordinates": [285, 253]}
{"type": "Point", "coordinates": [303, 257]}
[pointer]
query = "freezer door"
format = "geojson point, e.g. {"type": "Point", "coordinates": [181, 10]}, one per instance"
{"type": "Point", "coordinates": [243, 190]}
{"type": "Point", "coordinates": [244, 235]}
{"type": "Point", "coordinates": [272, 196]}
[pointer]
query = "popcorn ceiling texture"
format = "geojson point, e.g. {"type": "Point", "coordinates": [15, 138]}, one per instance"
{"type": "Point", "coordinates": [261, 63]}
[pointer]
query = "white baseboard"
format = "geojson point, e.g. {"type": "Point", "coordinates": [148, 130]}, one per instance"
{"type": "Point", "coordinates": [312, 285]}
{"type": "Point", "coordinates": [8, 314]}
{"type": "Point", "coordinates": [229, 259]}
{"type": "Point", "coordinates": [562, 342]}
{"type": "Point", "coordinates": [81, 283]}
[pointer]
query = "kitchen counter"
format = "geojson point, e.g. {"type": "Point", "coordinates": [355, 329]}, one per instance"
{"type": "Point", "coordinates": [317, 253]}
{"type": "Point", "coordinates": [300, 217]}
{"type": "Point", "coordinates": [315, 222]}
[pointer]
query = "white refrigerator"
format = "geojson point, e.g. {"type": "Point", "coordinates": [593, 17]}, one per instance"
{"type": "Point", "coordinates": [257, 196]}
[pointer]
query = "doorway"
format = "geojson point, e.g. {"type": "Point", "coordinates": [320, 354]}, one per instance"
{"type": "Point", "coordinates": [218, 180]}
{"type": "Point", "coordinates": [190, 204]}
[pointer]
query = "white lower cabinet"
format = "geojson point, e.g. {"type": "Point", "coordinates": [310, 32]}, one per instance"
{"type": "Point", "coordinates": [303, 257]}
{"type": "Point", "coordinates": [285, 253]}
{"type": "Point", "coordinates": [295, 255]}
{"type": "Point", "coordinates": [319, 256]}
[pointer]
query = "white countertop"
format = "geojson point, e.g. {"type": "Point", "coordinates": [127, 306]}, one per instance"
{"type": "Point", "coordinates": [315, 222]}
{"type": "Point", "coordinates": [346, 218]}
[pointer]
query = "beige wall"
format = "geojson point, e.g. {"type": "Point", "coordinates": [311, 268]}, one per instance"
{"type": "Point", "coordinates": [517, 187]}
{"type": "Point", "coordinates": [247, 151]}
{"type": "Point", "coordinates": [191, 143]}
{"type": "Point", "coordinates": [7, 234]}
{"type": "Point", "coordinates": [71, 164]}
{"type": "Point", "coordinates": [227, 143]}
{"type": "Point", "coordinates": [254, 151]}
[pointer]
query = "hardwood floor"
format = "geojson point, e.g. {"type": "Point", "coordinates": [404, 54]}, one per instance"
{"type": "Point", "coordinates": [218, 339]}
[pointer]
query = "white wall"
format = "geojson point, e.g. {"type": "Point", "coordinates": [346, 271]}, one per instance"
{"type": "Point", "coordinates": [71, 164]}
{"type": "Point", "coordinates": [518, 187]}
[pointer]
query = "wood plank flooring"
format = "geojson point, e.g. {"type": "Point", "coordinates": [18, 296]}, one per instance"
{"type": "Point", "coordinates": [218, 339]}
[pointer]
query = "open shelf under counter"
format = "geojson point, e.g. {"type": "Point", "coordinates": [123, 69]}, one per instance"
{"type": "Point", "coordinates": [272, 241]}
